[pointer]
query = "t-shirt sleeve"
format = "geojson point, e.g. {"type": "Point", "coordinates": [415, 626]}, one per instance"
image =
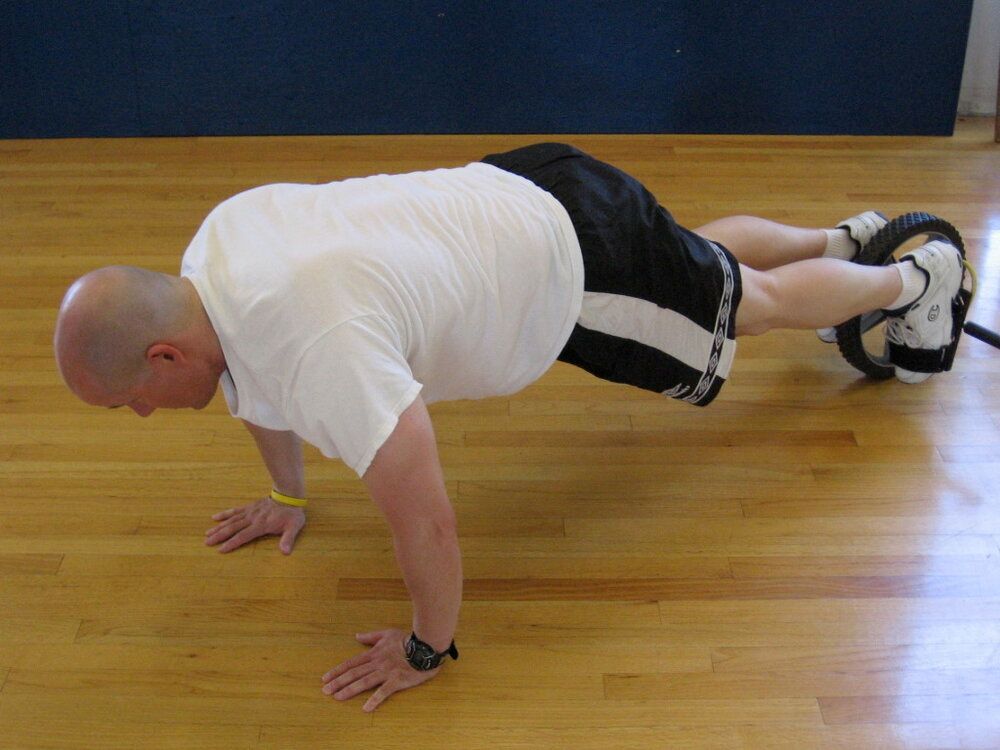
{"type": "Point", "coordinates": [349, 389]}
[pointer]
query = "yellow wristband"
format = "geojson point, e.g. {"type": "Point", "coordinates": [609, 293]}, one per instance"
{"type": "Point", "coordinates": [297, 502]}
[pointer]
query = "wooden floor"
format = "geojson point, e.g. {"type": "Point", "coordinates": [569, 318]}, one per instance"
{"type": "Point", "coordinates": [811, 562]}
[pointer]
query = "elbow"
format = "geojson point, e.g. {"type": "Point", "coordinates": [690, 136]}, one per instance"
{"type": "Point", "coordinates": [444, 525]}
{"type": "Point", "coordinates": [438, 530]}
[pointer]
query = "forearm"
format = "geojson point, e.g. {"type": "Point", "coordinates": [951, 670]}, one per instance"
{"type": "Point", "coordinates": [407, 485]}
{"type": "Point", "coordinates": [282, 454]}
{"type": "Point", "coordinates": [431, 563]}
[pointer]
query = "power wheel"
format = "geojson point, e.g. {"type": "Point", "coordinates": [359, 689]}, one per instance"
{"type": "Point", "coordinates": [862, 339]}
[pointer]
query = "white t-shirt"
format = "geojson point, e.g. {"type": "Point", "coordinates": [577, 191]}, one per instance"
{"type": "Point", "coordinates": [337, 304]}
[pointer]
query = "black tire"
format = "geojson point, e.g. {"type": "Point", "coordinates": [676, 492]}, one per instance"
{"type": "Point", "coordinates": [879, 252]}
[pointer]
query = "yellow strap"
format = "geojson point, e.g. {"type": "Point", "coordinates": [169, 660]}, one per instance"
{"type": "Point", "coordinates": [297, 502]}
{"type": "Point", "coordinates": [975, 279]}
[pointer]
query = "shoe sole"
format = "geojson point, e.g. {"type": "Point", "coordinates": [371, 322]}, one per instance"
{"type": "Point", "coordinates": [911, 378]}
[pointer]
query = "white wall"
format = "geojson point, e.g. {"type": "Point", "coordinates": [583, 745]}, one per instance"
{"type": "Point", "coordinates": [982, 58]}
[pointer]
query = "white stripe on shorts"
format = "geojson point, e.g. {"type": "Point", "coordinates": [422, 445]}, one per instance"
{"type": "Point", "coordinates": [655, 326]}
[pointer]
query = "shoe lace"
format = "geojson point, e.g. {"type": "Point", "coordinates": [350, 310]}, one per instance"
{"type": "Point", "coordinates": [898, 332]}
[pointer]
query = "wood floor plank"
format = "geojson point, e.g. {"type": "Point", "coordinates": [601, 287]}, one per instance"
{"type": "Point", "coordinates": [667, 456]}
{"type": "Point", "coordinates": [980, 710]}
{"type": "Point", "coordinates": [563, 659]}
{"type": "Point", "coordinates": [281, 683]}
{"type": "Point", "coordinates": [970, 453]}
{"type": "Point", "coordinates": [913, 611]}
{"type": "Point", "coordinates": [109, 732]}
{"type": "Point", "coordinates": [678, 544]}
{"type": "Point", "coordinates": [982, 521]}
{"type": "Point", "coordinates": [649, 439]}
{"type": "Point", "coordinates": [558, 714]}
{"type": "Point", "coordinates": [30, 564]}
{"type": "Point", "coordinates": [871, 505]}
{"type": "Point", "coordinates": [576, 589]}
{"type": "Point", "coordinates": [794, 544]}
{"type": "Point", "coordinates": [938, 683]}
{"type": "Point", "coordinates": [866, 566]}
{"type": "Point", "coordinates": [21, 629]}
{"type": "Point", "coordinates": [78, 706]}
{"type": "Point", "coordinates": [861, 658]}
{"type": "Point", "coordinates": [844, 633]}
{"type": "Point", "coordinates": [231, 569]}
{"type": "Point", "coordinates": [515, 738]}
{"type": "Point", "coordinates": [597, 499]}
{"type": "Point", "coordinates": [853, 737]}
{"type": "Point", "coordinates": [215, 623]}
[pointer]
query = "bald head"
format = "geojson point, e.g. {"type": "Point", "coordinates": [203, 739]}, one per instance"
{"type": "Point", "coordinates": [109, 319]}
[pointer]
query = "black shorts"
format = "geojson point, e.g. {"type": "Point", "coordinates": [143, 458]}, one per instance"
{"type": "Point", "coordinates": [659, 306]}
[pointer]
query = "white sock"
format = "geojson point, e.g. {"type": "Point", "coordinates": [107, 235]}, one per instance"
{"type": "Point", "coordinates": [914, 284]}
{"type": "Point", "coordinates": [840, 245]}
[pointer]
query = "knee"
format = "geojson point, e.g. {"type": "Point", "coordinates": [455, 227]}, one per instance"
{"type": "Point", "coordinates": [726, 231]}
{"type": "Point", "coordinates": [757, 312]}
{"type": "Point", "coordinates": [755, 328]}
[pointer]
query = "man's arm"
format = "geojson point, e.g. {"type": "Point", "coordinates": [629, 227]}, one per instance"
{"type": "Point", "coordinates": [282, 454]}
{"type": "Point", "coordinates": [406, 483]}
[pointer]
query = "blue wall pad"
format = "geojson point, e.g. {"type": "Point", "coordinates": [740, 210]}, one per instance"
{"type": "Point", "coordinates": [263, 67]}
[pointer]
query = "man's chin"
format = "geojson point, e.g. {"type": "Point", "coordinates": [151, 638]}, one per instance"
{"type": "Point", "coordinates": [206, 400]}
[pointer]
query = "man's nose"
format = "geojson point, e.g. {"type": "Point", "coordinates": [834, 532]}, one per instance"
{"type": "Point", "coordinates": [143, 410]}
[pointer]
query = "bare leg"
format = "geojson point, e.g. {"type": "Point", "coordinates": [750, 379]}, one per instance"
{"type": "Point", "coordinates": [764, 244]}
{"type": "Point", "coordinates": [786, 282]}
{"type": "Point", "coordinates": [812, 294]}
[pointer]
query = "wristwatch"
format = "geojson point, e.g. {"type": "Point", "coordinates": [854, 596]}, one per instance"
{"type": "Point", "coordinates": [423, 657]}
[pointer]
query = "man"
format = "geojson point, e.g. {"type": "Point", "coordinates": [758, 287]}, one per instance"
{"type": "Point", "coordinates": [335, 313]}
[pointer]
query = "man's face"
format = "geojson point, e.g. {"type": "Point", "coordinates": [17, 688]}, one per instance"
{"type": "Point", "coordinates": [160, 386]}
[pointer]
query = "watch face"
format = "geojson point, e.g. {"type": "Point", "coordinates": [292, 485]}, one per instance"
{"type": "Point", "coordinates": [420, 655]}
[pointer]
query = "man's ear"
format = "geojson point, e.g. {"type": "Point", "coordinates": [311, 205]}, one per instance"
{"type": "Point", "coordinates": [163, 353]}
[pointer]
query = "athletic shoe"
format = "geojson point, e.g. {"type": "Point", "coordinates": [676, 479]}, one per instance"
{"type": "Point", "coordinates": [861, 228]}
{"type": "Point", "coordinates": [927, 322]}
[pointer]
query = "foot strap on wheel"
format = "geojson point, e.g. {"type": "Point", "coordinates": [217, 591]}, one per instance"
{"type": "Point", "coordinates": [918, 360]}
{"type": "Point", "coordinates": [934, 360]}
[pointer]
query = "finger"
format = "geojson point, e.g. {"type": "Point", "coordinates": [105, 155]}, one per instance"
{"type": "Point", "coordinates": [238, 517]}
{"type": "Point", "coordinates": [379, 697]}
{"type": "Point", "coordinates": [229, 518]}
{"type": "Point", "coordinates": [288, 539]}
{"type": "Point", "coordinates": [348, 677]}
{"type": "Point", "coordinates": [370, 639]}
{"type": "Point", "coordinates": [248, 534]}
{"type": "Point", "coordinates": [222, 526]}
{"type": "Point", "coordinates": [227, 530]}
{"type": "Point", "coordinates": [359, 686]}
{"type": "Point", "coordinates": [223, 515]}
{"type": "Point", "coordinates": [347, 665]}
